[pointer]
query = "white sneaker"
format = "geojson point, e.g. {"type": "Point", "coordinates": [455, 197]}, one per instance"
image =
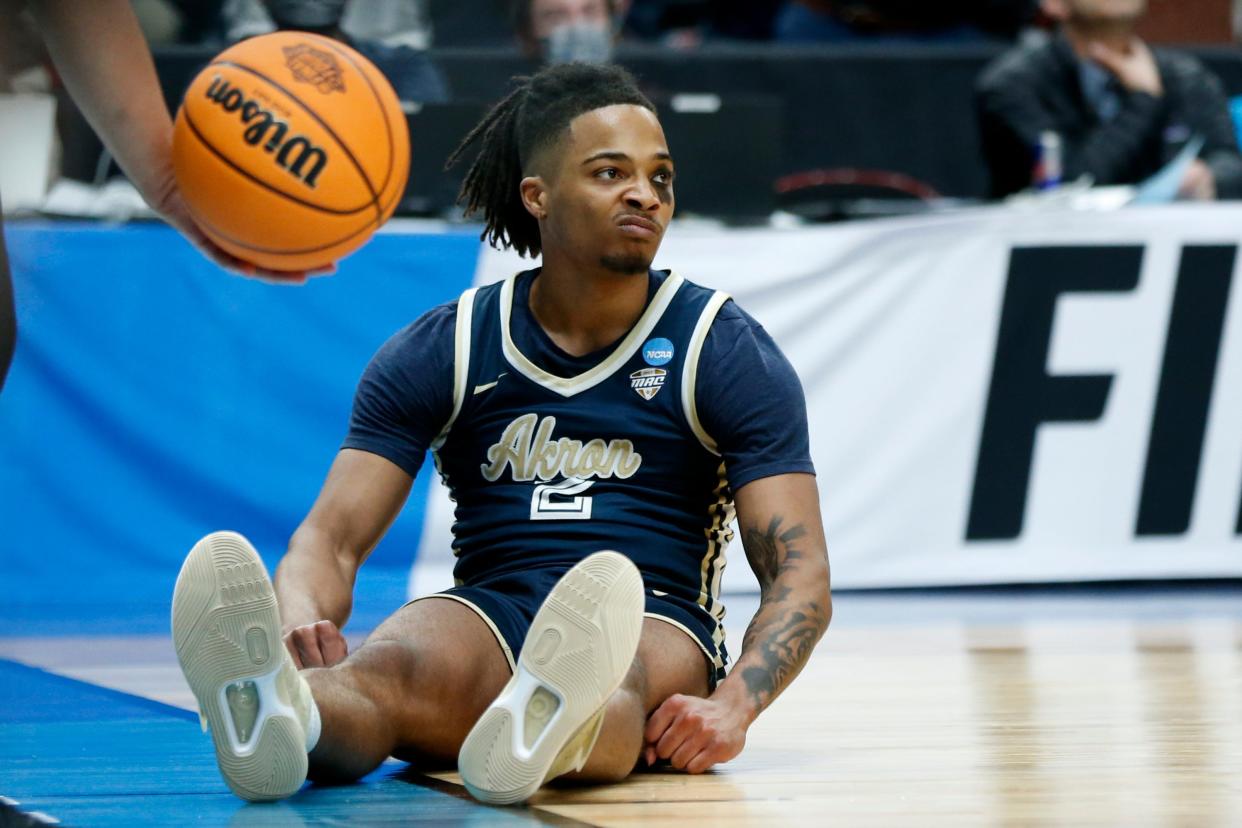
{"type": "Point", "coordinates": [577, 652]}
{"type": "Point", "coordinates": [226, 628]}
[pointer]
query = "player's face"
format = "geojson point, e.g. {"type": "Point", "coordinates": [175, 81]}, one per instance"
{"type": "Point", "coordinates": [612, 196]}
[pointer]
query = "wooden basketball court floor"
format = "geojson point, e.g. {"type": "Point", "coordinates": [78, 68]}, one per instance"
{"type": "Point", "coordinates": [1022, 706]}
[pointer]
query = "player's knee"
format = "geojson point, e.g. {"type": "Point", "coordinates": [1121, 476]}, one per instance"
{"type": "Point", "coordinates": [382, 665]}
{"type": "Point", "coordinates": [635, 681]}
{"type": "Point", "coordinates": [607, 773]}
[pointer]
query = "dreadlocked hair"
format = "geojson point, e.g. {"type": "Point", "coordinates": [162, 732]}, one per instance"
{"type": "Point", "coordinates": [531, 117]}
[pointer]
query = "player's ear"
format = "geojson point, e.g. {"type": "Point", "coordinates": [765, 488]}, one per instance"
{"type": "Point", "coordinates": [535, 196]}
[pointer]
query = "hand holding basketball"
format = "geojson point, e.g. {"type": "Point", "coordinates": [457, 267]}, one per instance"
{"type": "Point", "coordinates": [167, 200]}
{"type": "Point", "coordinates": [290, 150]}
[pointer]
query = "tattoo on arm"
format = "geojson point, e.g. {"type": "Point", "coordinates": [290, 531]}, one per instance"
{"type": "Point", "coordinates": [785, 630]}
{"type": "Point", "coordinates": [763, 549]}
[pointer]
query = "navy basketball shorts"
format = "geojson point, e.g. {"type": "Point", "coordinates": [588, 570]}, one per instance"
{"type": "Point", "coordinates": [508, 603]}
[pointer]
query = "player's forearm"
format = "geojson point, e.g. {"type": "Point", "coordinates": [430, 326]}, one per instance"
{"type": "Point", "coordinates": [794, 612]}
{"type": "Point", "coordinates": [104, 60]}
{"type": "Point", "coordinates": [315, 580]}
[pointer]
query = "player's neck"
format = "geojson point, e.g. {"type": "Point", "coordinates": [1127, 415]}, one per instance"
{"type": "Point", "coordinates": [585, 310]}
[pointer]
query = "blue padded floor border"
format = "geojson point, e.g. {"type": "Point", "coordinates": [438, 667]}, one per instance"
{"type": "Point", "coordinates": [87, 755]}
{"type": "Point", "coordinates": [378, 593]}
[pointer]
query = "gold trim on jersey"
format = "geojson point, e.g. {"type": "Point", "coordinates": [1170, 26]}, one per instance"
{"type": "Point", "coordinates": [567, 387]}
{"type": "Point", "coordinates": [718, 535]}
{"type": "Point", "coordinates": [461, 362]}
{"type": "Point", "coordinates": [690, 374]}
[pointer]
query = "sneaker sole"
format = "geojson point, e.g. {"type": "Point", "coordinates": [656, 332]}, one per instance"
{"type": "Point", "coordinates": [226, 629]}
{"type": "Point", "coordinates": [579, 648]}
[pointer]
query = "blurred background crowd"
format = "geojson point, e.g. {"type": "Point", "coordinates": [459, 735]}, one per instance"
{"type": "Point", "coordinates": [831, 108]}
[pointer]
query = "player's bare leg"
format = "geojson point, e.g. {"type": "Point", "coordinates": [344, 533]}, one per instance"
{"type": "Point", "coordinates": [414, 689]}
{"type": "Point", "coordinates": [578, 651]}
{"type": "Point", "coordinates": [668, 663]}
{"type": "Point", "coordinates": [418, 682]}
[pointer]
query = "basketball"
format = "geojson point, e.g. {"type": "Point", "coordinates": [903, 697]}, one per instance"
{"type": "Point", "coordinates": [291, 149]}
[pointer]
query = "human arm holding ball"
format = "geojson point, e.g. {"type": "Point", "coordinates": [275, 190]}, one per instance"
{"type": "Point", "coordinates": [104, 61]}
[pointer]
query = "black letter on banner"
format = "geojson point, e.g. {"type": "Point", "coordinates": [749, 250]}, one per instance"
{"type": "Point", "coordinates": [1023, 395]}
{"type": "Point", "coordinates": [1186, 378]}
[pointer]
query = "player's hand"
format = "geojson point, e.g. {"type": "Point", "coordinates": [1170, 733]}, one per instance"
{"type": "Point", "coordinates": [1199, 183]}
{"type": "Point", "coordinates": [316, 645]}
{"type": "Point", "coordinates": [1135, 68]}
{"type": "Point", "coordinates": [168, 201]}
{"type": "Point", "coordinates": [693, 733]}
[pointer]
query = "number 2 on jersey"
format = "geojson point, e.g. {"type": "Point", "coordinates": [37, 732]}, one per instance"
{"type": "Point", "coordinates": [562, 500]}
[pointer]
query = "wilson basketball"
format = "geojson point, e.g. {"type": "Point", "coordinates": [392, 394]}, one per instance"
{"type": "Point", "coordinates": [291, 149]}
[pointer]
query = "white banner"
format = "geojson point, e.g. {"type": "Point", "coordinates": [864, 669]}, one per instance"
{"type": "Point", "coordinates": [994, 396]}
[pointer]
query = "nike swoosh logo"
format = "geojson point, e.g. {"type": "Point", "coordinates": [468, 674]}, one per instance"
{"type": "Point", "coordinates": [479, 389]}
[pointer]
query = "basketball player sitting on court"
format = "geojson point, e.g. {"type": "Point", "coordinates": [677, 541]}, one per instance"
{"type": "Point", "coordinates": [591, 404]}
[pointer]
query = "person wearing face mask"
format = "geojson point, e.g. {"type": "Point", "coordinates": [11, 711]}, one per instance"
{"type": "Point", "coordinates": [1121, 109]}
{"type": "Point", "coordinates": [566, 31]}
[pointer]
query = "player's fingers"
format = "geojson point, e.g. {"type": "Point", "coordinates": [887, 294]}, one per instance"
{"type": "Point", "coordinates": [687, 750]}
{"type": "Point", "coordinates": [649, 755]}
{"type": "Point", "coordinates": [290, 277]}
{"type": "Point", "coordinates": [678, 732]}
{"type": "Point", "coordinates": [663, 716]}
{"type": "Point", "coordinates": [306, 641]}
{"type": "Point", "coordinates": [331, 643]}
{"type": "Point", "coordinates": [703, 760]}
{"type": "Point", "coordinates": [293, 651]}
{"type": "Point", "coordinates": [284, 279]}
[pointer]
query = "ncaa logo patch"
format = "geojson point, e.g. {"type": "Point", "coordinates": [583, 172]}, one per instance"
{"type": "Point", "coordinates": [647, 382]}
{"type": "Point", "coordinates": [658, 351]}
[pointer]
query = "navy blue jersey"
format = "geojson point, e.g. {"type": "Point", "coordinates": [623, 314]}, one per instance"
{"type": "Point", "coordinates": [550, 457]}
{"type": "Point", "coordinates": [611, 458]}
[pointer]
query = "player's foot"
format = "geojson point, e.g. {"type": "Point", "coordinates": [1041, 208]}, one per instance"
{"type": "Point", "coordinates": [227, 632]}
{"type": "Point", "coordinates": [578, 650]}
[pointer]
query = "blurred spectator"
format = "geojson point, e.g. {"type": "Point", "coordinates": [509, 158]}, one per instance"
{"type": "Point", "coordinates": [391, 22]}
{"type": "Point", "coordinates": [471, 24]}
{"type": "Point", "coordinates": [689, 22]}
{"type": "Point", "coordinates": [165, 22]}
{"type": "Point", "coordinates": [561, 31]}
{"type": "Point", "coordinates": [1121, 111]}
{"type": "Point", "coordinates": [23, 59]}
{"type": "Point", "coordinates": [410, 70]}
{"type": "Point", "coordinates": [811, 21]}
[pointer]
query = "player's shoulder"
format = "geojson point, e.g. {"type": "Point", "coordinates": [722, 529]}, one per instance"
{"type": "Point", "coordinates": [731, 327]}
{"type": "Point", "coordinates": [437, 318]}
{"type": "Point", "coordinates": [690, 288]}
{"type": "Point", "coordinates": [425, 332]}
